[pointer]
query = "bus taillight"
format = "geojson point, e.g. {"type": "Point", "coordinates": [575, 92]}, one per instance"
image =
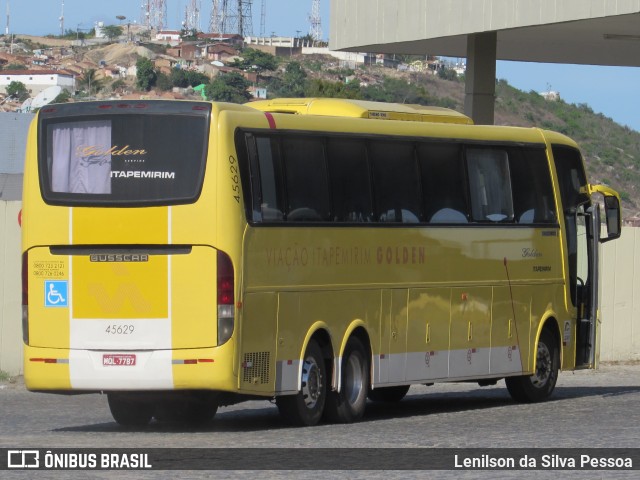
{"type": "Point", "coordinates": [226, 306]}
{"type": "Point", "coordinates": [25, 298]}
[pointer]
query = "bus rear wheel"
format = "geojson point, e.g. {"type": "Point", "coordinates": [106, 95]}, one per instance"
{"type": "Point", "coordinates": [540, 385]}
{"type": "Point", "coordinates": [129, 411]}
{"type": "Point", "coordinates": [306, 407]}
{"type": "Point", "coordinates": [388, 394]}
{"type": "Point", "coordinates": [349, 404]}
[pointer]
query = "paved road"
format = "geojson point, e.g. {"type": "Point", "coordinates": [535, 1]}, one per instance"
{"type": "Point", "coordinates": [589, 409]}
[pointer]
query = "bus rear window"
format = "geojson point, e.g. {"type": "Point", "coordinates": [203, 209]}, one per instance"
{"type": "Point", "coordinates": [152, 156]}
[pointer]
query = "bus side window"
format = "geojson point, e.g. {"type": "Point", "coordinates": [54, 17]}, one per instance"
{"type": "Point", "coordinates": [396, 182]}
{"type": "Point", "coordinates": [305, 179]}
{"type": "Point", "coordinates": [489, 185]}
{"type": "Point", "coordinates": [269, 208]}
{"type": "Point", "coordinates": [443, 183]}
{"type": "Point", "coordinates": [532, 192]}
{"type": "Point", "coordinates": [350, 180]}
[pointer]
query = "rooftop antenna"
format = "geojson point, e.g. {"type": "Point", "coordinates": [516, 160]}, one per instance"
{"type": "Point", "coordinates": [62, 20]}
{"type": "Point", "coordinates": [316, 22]}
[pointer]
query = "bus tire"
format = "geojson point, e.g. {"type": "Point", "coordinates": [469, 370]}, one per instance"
{"type": "Point", "coordinates": [306, 407]}
{"type": "Point", "coordinates": [129, 412]}
{"type": "Point", "coordinates": [540, 385]}
{"type": "Point", "coordinates": [388, 394]}
{"type": "Point", "coordinates": [349, 404]}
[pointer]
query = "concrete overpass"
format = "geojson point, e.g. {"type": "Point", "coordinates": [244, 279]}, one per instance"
{"type": "Point", "coordinates": [591, 32]}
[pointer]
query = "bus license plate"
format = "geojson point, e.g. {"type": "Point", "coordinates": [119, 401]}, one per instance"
{"type": "Point", "coordinates": [118, 360]}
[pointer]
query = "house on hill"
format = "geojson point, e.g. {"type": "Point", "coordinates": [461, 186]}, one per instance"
{"type": "Point", "coordinates": [219, 52]}
{"type": "Point", "coordinates": [171, 37]}
{"type": "Point", "coordinates": [38, 80]}
{"type": "Point", "coordinates": [228, 38]}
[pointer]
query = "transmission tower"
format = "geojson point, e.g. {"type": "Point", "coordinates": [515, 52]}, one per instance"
{"type": "Point", "coordinates": [231, 16]}
{"type": "Point", "coordinates": [154, 14]}
{"type": "Point", "coordinates": [192, 16]}
{"type": "Point", "coordinates": [238, 18]}
{"type": "Point", "coordinates": [263, 16]}
{"type": "Point", "coordinates": [218, 16]}
{"type": "Point", "coordinates": [316, 23]}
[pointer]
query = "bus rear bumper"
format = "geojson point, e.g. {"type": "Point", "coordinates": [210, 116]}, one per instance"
{"type": "Point", "coordinates": [67, 370]}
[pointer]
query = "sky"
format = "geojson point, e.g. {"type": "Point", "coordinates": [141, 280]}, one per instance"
{"type": "Point", "coordinates": [613, 91]}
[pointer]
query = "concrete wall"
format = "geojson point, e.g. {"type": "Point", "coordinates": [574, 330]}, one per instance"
{"type": "Point", "coordinates": [620, 297]}
{"type": "Point", "coordinates": [620, 283]}
{"type": "Point", "coordinates": [10, 289]}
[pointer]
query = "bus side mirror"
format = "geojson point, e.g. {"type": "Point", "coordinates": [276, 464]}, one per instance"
{"type": "Point", "coordinates": [613, 218]}
{"type": "Point", "coordinates": [613, 213]}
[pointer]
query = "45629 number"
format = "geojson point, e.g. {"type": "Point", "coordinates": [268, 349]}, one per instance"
{"type": "Point", "coordinates": [235, 179]}
{"type": "Point", "coordinates": [119, 329]}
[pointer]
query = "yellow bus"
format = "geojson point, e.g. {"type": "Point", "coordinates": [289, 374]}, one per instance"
{"type": "Point", "coordinates": [182, 255]}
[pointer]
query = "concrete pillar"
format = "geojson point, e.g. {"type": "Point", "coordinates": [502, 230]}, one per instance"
{"type": "Point", "coordinates": [480, 86]}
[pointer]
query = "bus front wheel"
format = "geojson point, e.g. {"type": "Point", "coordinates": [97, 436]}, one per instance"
{"type": "Point", "coordinates": [540, 385]}
{"type": "Point", "coordinates": [128, 411]}
{"type": "Point", "coordinates": [349, 404]}
{"type": "Point", "coordinates": [306, 407]}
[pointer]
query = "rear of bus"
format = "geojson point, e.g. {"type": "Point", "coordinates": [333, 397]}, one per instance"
{"type": "Point", "coordinates": [126, 285]}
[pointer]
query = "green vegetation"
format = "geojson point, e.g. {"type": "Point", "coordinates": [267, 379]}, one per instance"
{"type": "Point", "coordinates": [228, 87]}
{"type": "Point", "coordinates": [255, 60]}
{"type": "Point", "coordinates": [63, 97]}
{"type": "Point", "coordinates": [112, 32]}
{"type": "Point", "coordinates": [17, 90]}
{"type": "Point", "coordinates": [611, 151]}
{"type": "Point", "coordinates": [15, 66]}
{"type": "Point", "coordinates": [4, 376]}
{"type": "Point", "coordinates": [187, 78]}
{"type": "Point", "coordinates": [146, 76]}
{"type": "Point", "coordinates": [89, 83]}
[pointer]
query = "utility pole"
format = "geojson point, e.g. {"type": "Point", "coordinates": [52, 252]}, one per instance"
{"type": "Point", "coordinates": [62, 20]}
{"type": "Point", "coordinates": [6, 30]}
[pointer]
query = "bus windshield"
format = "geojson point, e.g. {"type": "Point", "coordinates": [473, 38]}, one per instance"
{"type": "Point", "coordinates": [131, 156]}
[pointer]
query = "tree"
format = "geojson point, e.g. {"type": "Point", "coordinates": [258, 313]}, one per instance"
{"type": "Point", "coordinates": [63, 97]}
{"type": "Point", "coordinates": [252, 59]}
{"type": "Point", "coordinates": [188, 78]}
{"type": "Point", "coordinates": [163, 82]}
{"type": "Point", "coordinates": [17, 90]}
{"type": "Point", "coordinates": [112, 32]}
{"type": "Point", "coordinates": [146, 76]}
{"type": "Point", "coordinates": [293, 81]}
{"type": "Point", "coordinates": [228, 87]}
{"type": "Point", "coordinates": [89, 82]}
{"type": "Point", "coordinates": [326, 88]}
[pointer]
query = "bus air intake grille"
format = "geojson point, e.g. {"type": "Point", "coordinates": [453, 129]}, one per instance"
{"type": "Point", "coordinates": [256, 367]}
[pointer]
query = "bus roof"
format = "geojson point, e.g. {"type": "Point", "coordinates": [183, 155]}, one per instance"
{"type": "Point", "coordinates": [361, 109]}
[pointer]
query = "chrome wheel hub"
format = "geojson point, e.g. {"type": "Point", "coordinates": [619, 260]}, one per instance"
{"type": "Point", "coordinates": [311, 382]}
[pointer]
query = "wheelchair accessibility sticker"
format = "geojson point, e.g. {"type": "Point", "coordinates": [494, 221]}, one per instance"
{"type": "Point", "coordinates": [56, 293]}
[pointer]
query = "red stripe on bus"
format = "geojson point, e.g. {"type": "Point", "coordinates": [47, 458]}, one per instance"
{"type": "Point", "coordinates": [271, 120]}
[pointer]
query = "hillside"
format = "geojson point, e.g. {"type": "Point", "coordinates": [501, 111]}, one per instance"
{"type": "Point", "coordinates": [612, 151]}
